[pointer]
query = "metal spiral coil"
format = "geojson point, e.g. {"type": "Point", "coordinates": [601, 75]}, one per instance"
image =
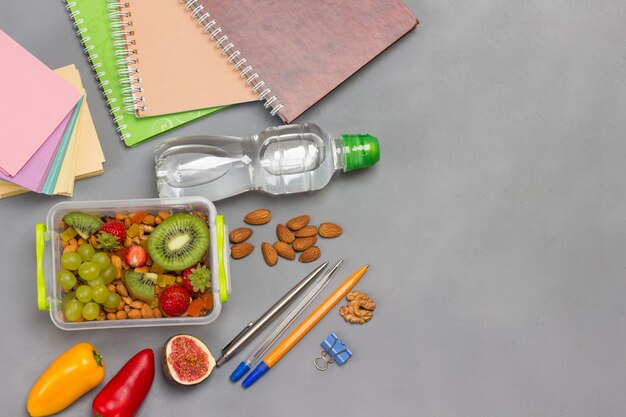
{"type": "Point", "coordinates": [97, 68]}
{"type": "Point", "coordinates": [234, 54]}
{"type": "Point", "coordinates": [126, 61]}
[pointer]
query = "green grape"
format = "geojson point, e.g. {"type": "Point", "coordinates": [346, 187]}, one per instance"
{"type": "Point", "coordinates": [101, 259]}
{"type": "Point", "coordinates": [109, 273]}
{"type": "Point", "coordinates": [84, 293]}
{"type": "Point", "coordinates": [66, 279]}
{"type": "Point", "coordinates": [91, 311]}
{"type": "Point", "coordinates": [73, 310]}
{"type": "Point", "coordinates": [71, 260]}
{"type": "Point", "coordinates": [67, 298]}
{"type": "Point", "coordinates": [89, 271]}
{"type": "Point", "coordinates": [113, 300]}
{"type": "Point", "coordinates": [100, 294]}
{"type": "Point", "coordinates": [95, 282]}
{"type": "Point", "coordinates": [86, 251]}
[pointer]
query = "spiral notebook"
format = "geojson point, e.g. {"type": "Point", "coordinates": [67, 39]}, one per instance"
{"type": "Point", "coordinates": [294, 52]}
{"type": "Point", "coordinates": [93, 25]}
{"type": "Point", "coordinates": [172, 66]}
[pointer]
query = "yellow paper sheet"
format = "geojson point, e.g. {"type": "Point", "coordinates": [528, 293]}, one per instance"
{"type": "Point", "coordinates": [87, 158]}
{"type": "Point", "coordinates": [65, 182]}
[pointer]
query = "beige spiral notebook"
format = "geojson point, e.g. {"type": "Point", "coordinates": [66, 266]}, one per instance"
{"type": "Point", "coordinates": [172, 66]}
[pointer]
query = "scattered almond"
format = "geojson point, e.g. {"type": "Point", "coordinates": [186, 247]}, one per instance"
{"type": "Point", "coordinates": [284, 234]}
{"type": "Point", "coordinates": [258, 216]}
{"type": "Point", "coordinates": [284, 250]}
{"type": "Point", "coordinates": [149, 220]}
{"type": "Point", "coordinates": [163, 215]}
{"type": "Point", "coordinates": [306, 231]}
{"type": "Point", "coordinates": [269, 254]}
{"type": "Point", "coordinates": [111, 316]}
{"type": "Point", "coordinates": [241, 250]}
{"type": "Point", "coordinates": [121, 315]}
{"type": "Point", "coordinates": [329, 230]}
{"type": "Point", "coordinates": [299, 222]}
{"type": "Point", "coordinates": [310, 255]}
{"type": "Point", "coordinates": [120, 216]}
{"type": "Point", "coordinates": [303, 243]}
{"type": "Point", "coordinates": [121, 290]}
{"type": "Point", "coordinates": [137, 304]}
{"type": "Point", "coordinates": [240, 234]}
{"type": "Point", "coordinates": [156, 313]}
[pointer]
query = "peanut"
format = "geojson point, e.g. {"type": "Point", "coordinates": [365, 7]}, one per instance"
{"type": "Point", "coordinates": [156, 312]}
{"type": "Point", "coordinates": [136, 304]}
{"type": "Point", "coordinates": [163, 214]}
{"type": "Point", "coordinates": [126, 309]}
{"type": "Point", "coordinates": [121, 306]}
{"type": "Point", "coordinates": [121, 315]}
{"type": "Point", "coordinates": [120, 216]}
{"type": "Point", "coordinates": [146, 312]}
{"type": "Point", "coordinates": [158, 220]}
{"type": "Point", "coordinates": [94, 242]}
{"type": "Point", "coordinates": [121, 290]}
{"type": "Point", "coordinates": [134, 314]}
{"type": "Point", "coordinates": [101, 316]}
{"type": "Point", "coordinates": [117, 261]}
{"type": "Point", "coordinates": [111, 316]}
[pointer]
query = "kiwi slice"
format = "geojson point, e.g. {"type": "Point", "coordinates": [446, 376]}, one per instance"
{"type": "Point", "coordinates": [85, 224]}
{"type": "Point", "coordinates": [141, 286]}
{"type": "Point", "coordinates": [179, 242]}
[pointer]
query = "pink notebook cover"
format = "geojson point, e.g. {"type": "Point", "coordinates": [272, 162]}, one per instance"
{"type": "Point", "coordinates": [33, 174]}
{"type": "Point", "coordinates": [33, 101]}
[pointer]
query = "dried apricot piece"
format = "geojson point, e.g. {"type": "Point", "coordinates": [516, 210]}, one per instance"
{"type": "Point", "coordinates": [207, 299]}
{"type": "Point", "coordinates": [195, 307]}
{"type": "Point", "coordinates": [138, 217]}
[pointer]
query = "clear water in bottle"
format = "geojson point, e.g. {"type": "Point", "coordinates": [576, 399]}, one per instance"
{"type": "Point", "coordinates": [279, 160]}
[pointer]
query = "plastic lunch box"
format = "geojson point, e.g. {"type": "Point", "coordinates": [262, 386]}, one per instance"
{"type": "Point", "coordinates": [49, 251]}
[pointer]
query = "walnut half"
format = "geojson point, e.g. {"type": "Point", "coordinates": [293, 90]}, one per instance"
{"type": "Point", "coordinates": [359, 309]}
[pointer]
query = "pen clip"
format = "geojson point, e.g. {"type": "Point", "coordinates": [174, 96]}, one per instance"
{"type": "Point", "coordinates": [241, 333]}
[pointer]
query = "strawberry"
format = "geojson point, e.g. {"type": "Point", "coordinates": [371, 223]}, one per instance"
{"type": "Point", "coordinates": [197, 279]}
{"type": "Point", "coordinates": [136, 256]}
{"type": "Point", "coordinates": [174, 301]}
{"type": "Point", "coordinates": [115, 228]}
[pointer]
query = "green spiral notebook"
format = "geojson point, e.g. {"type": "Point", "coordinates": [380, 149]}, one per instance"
{"type": "Point", "coordinates": [93, 25]}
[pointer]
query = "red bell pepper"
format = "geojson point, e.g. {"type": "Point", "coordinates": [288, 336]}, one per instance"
{"type": "Point", "coordinates": [123, 395]}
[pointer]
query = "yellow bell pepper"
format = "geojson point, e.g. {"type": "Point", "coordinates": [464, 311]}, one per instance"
{"type": "Point", "coordinates": [71, 375]}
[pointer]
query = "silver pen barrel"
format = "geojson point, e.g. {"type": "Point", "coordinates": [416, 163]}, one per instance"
{"type": "Point", "coordinates": [251, 331]}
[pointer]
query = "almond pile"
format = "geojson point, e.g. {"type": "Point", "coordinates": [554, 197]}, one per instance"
{"type": "Point", "coordinates": [294, 236]}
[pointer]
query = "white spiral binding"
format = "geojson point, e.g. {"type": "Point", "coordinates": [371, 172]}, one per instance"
{"type": "Point", "coordinates": [124, 46]}
{"type": "Point", "coordinates": [114, 109]}
{"type": "Point", "coordinates": [234, 55]}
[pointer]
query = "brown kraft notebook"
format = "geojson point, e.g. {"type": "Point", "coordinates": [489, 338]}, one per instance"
{"type": "Point", "coordinates": [294, 52]}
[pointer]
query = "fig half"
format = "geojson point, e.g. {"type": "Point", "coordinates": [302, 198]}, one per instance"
{"type": "Point", "coordinates": [186, 360]}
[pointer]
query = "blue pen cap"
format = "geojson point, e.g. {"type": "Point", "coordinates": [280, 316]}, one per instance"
{"type": "Point", "coordinates": [240, 371]}
{"type": "Point", "coordinates": [257, 373]}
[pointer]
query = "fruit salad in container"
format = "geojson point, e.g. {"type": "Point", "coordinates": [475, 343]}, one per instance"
{"type": "Point", "coordinates": [132, 263]}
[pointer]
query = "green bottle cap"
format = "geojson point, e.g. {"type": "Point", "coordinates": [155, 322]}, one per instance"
{"type": "Point", "coordinates": [361, 151]}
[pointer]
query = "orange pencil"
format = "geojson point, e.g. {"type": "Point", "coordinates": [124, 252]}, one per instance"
{"type": "Point", "coordinates": [279, 351]}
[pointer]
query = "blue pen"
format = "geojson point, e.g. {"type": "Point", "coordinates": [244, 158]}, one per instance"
{"type": "Point", "coordinates": [266, 343]}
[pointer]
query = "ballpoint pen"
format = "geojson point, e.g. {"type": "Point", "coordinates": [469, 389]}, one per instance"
{"type": "Point", "coordinates": [266, 343]}
{"type": "Point", "coordinates": [254, 327]}
{"type": "Point", "coordinates": [294, 337]}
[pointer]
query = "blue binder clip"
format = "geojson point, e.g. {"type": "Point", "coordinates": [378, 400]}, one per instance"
{"type": "Point", "coordinates": [334, 351]}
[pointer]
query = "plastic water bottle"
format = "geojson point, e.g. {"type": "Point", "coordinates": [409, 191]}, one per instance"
{"type": "Point", "coordinates": [279, 160]}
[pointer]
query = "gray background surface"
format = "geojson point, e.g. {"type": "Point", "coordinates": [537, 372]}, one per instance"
{"type": "Point", "coordinates": [494, 225]}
